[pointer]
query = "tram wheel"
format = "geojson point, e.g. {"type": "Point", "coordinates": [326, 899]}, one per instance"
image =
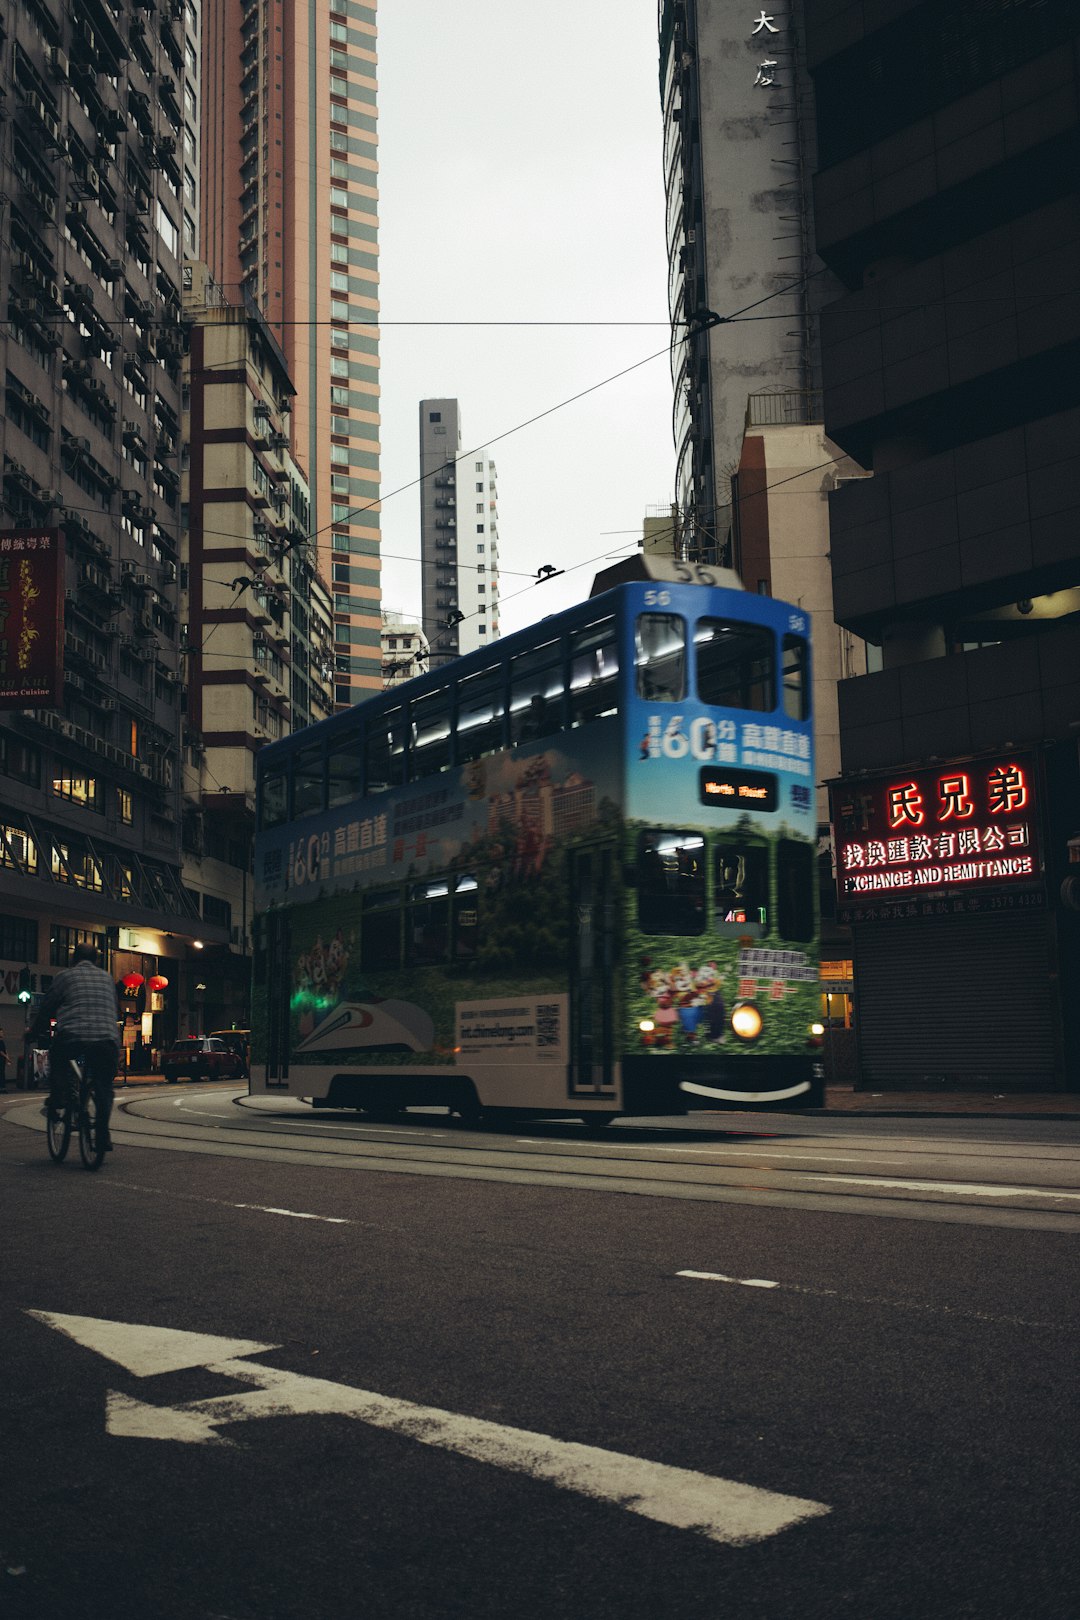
{"type": "Point", "coordinates": [595, 1123]}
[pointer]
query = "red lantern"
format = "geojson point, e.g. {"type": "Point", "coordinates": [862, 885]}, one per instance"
{"type": "Point", "coordinates": [159, 982]}
{"type": "Point", "coordinates": [132, 981]}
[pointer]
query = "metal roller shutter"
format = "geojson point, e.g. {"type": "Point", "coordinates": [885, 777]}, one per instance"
{"type": "Point", "coordinates": [960, 1001]}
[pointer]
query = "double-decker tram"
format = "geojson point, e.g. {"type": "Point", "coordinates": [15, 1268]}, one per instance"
{"type": "Point", "coordinates": [573, 873]}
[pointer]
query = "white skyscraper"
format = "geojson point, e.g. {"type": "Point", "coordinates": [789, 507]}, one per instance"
{"type": "Point", "coordinates": [459, 541]}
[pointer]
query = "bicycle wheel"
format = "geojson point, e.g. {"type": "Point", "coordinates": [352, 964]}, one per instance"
{"type": "Point", "coordinates": [91, 1128]}
{"type": "Point", "coordinates": [58, 1133]}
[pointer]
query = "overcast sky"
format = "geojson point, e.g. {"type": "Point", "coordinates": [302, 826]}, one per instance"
{"type": "Point", "coordinates": [521, 180]}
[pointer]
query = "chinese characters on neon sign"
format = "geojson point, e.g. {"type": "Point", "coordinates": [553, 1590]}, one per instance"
{"type": "Point", "coordinates": [955, 827]}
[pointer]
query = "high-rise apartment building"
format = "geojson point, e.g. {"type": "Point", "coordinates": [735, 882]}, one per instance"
{"type": "Point", "coordinates": [288, 209]}
{"type": "Point", "coordinates": [92, 175]}
{"type": "Point", "coordinates": [459, 537]}
{"type": "Point", "coordinates": [738, 155]}
{"type": "Point", "coordinates": [256, 616]}
{"type": "Point", "coordinates": [947, 204]}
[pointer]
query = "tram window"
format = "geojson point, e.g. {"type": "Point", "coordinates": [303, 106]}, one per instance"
{"type": "Point", "coordinates": [343, 770]}
{"type": "Point", "coordinates": [430, 735]}
{"type": "Point", "coordinates": [536, 692]}
{"type": "Point", "coordinates": [466, 918]}
{"type": "Point", "coordinates": [479, 715]}
{"type": "Point", "coordinates": [594, 673]}
{"type": "Point", "coordinates": [275, 799]}
{"type": "Point", "coordinates": [307, 780]}
{"type": "Point", "coordinates": [795, 678]}
{"type": "Point", "coordinates": [380, 930]}
{"type": "Point", "coordinates": [796, 877]}
{"type": "Point", "coordinates": [671, 883]}
{"type": "Point", "coordinates": [735, 665]}
{"type": "Point", "coordinates": [427, 924]}
{"type": "Point", "coordinates": [384, 751]}
{"type": "Point", "coordinates": [660, 657]}
{"type": "Point", "coordinates": [741, 889]}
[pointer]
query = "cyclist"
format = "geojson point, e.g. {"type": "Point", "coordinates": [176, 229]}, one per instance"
{"type": "Point", "coordinates": [83, 1001]}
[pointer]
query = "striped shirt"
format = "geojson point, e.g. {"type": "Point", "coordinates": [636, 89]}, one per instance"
{"type": "Point", "coordinates": [83, 1001]}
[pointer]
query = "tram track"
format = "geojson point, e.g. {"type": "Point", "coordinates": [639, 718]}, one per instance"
{"type": "Point", "coordinates": [996, 1184]}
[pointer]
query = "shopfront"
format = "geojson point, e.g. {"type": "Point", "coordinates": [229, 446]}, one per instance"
{"type": "Point", "coordinates": [947, 877]}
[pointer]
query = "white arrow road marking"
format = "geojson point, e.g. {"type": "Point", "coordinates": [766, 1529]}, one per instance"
{"type": "Point", "coordinates": [145, 1351]}
{"type": "Point", "coordinates": [723, 1510]}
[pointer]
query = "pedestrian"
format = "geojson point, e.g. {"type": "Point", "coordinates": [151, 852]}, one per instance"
{"type": "Point", "coordinates": [3, 1062]}
{"type": "Point", "coordinates": [83, 1001]}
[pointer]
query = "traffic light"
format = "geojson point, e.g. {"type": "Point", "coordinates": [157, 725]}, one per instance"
{"type": "Point", "coordinates": [24, 985]}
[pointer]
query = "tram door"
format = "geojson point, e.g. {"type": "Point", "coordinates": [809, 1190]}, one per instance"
{"type": "Point", "coordinates": [591, 973]}
{"type": "Point", "coordinates": [278, 986]}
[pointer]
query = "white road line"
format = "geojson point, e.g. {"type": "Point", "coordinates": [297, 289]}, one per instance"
{"type": "Point", "coordinates": [972, 1187]}
{"type": "Point", "coordinates": [297, 1214]}
{"type": "Point", "coordinates": [765, 1152]}
{"type": "Point", "coordinates": [224, 1203]}
{"type": "Point", "coordinates": [718, 1276]}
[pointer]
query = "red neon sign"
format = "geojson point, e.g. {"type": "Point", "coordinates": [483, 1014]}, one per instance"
{"type": "Point", "coordinates": [943, 829]}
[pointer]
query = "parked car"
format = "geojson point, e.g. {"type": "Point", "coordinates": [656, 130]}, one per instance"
{"type": "Point", "coordinates": [201, 1057]}
{"type": "Point", "coordinates": [238, 1041]}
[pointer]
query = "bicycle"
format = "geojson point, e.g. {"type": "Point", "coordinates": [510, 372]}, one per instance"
{"type": "Point", "coordinates": [81, 1111]}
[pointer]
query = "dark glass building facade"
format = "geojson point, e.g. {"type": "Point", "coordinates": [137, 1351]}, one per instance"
{"type": "Point", "coordinates": [946, 202]}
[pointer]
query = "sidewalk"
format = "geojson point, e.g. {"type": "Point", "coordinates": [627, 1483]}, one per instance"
{"type": "Point", "coordinates": [958, 1104]}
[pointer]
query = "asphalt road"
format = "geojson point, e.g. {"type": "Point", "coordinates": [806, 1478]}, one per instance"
{"type": "Point", "coordinates": [476, 1374]}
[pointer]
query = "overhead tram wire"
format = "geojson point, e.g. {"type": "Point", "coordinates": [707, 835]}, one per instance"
{"type": "Point", "coordinates": [693, 328]}
{"type": "Point", "coordinates": [694, 325]}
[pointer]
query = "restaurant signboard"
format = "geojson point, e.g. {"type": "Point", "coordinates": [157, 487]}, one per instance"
{"type": "Point", "coordinates": [31, 619]}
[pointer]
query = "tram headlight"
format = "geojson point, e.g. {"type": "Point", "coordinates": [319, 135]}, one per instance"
{"type": "Point", "coordinates": [817, 1029]}
{"type": "Point", "coordinates": [746, 1021]}
{"type": "Point", "coordinates": [646, 1026]}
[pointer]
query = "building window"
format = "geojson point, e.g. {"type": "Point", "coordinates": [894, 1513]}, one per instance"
{"type": "Point", "coordinates": [62, 943]}
{"type": "Point", "coordinates": [18, 850]}
{"type": "Point", "coordinates": [18, 939]}
{"type": "Point", "coordinates": [216, 911]}
{"type": "Point", "coordinates": [81, 790]}
{"type": "Point", "coordinates": [434, 416]}
{"type": "Point", "coordinates": [20, 759]}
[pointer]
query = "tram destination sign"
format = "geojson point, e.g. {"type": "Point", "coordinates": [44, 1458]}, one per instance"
{"type": "Point", "coordinates": [959, 828]}
{"type": "Point", "coordinates": [745, 790]}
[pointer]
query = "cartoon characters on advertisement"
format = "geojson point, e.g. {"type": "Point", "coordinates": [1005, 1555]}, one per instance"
{"type": "Point", "coordinates": [319, 975]}
{"type": "Point", "coordinates": [689, 1005]}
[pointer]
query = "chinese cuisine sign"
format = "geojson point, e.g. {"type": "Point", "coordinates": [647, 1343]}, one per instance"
{"type": "Point", "coordinates": [31, 619]}
{"type": "Point", "coordinates": [957, 827]}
